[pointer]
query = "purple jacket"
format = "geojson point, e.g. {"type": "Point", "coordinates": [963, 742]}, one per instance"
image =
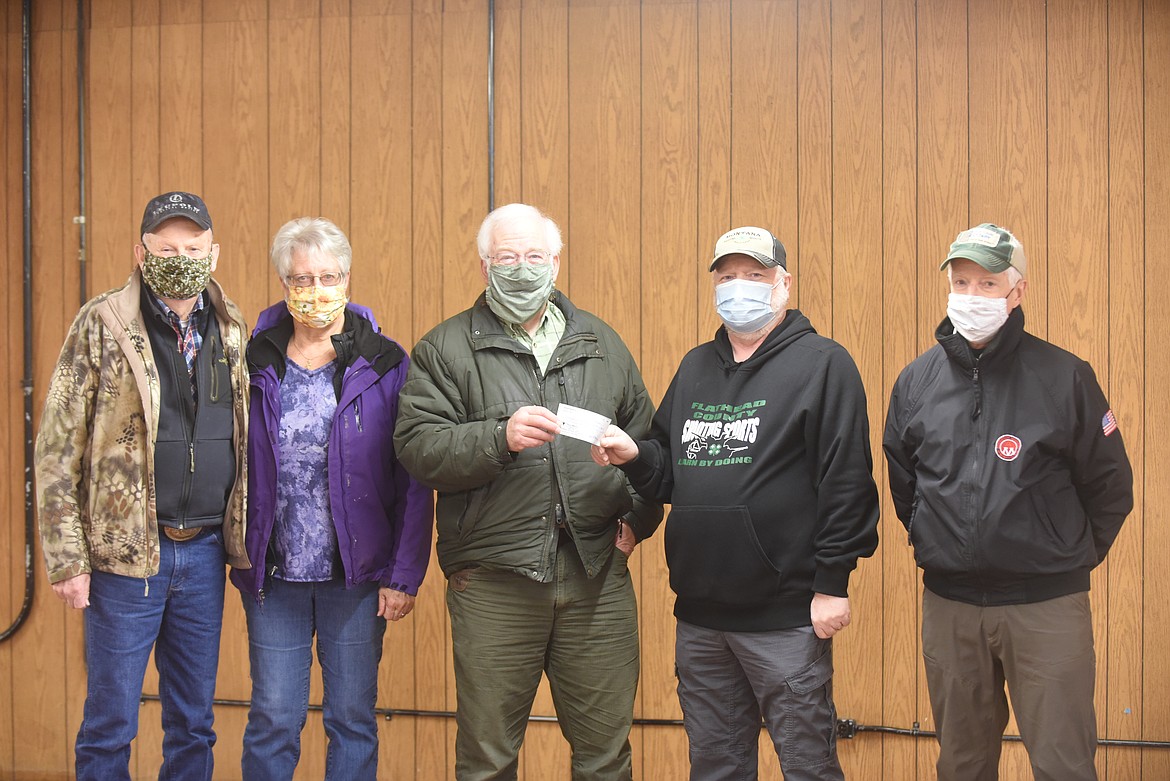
{"type": "Point", "coordinates": [382, 516]}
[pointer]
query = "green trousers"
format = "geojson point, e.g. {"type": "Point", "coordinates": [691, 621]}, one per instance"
{"type": "Point", "coordinates": [583, 633]}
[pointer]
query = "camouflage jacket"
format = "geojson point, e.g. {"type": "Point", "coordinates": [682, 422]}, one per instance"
{"type": "Point", "coordinates": [95, 447]}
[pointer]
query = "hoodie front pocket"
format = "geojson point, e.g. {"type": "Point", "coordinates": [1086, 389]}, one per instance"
{"type": "Point", "coordinates": [715, 555]}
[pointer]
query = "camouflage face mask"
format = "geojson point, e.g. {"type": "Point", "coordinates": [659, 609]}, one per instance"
{"type": "Point", "coordinates": [179, 277]}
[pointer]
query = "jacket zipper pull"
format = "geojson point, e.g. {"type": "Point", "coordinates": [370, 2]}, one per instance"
{"type": "Point", "coordinates": [978, 393]}
{"type": "Point", "coordinates": [192, 449]}
{"type": "Point", "coordinates": [146, 587]}
{"type": "Point", "coordinates": [260, 596]}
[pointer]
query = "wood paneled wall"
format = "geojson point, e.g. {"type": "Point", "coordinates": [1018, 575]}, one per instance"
{"type": "Point", "coordinates": [866, 133]}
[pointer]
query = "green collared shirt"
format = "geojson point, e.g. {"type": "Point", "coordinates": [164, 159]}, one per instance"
{"type": "Point", "coordinates": [547, 337]}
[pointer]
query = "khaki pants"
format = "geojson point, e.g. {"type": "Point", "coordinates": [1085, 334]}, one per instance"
{"type": "Point", "coordinates": [1044, 652]}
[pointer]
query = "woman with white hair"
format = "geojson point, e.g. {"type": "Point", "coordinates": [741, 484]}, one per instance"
{"type": "Point", "coordinates": [338, 533]}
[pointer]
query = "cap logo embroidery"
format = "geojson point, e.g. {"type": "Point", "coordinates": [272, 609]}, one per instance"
{"type": "Point", "coordinates": [742, 237]}
{"type": "Point", "coordinates": [176, 198]}
{"type": "Point", "coordinates": [1008, 447]}
{"type": "Point", "coordinates": [983, 236]}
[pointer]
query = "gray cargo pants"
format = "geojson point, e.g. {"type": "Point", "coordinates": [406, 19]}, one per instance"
{"type": "Point", "coordinates": [727, 681]}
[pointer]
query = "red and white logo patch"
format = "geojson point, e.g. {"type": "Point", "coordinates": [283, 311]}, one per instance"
{"type": "Point", "coordinates": [1008, 447]}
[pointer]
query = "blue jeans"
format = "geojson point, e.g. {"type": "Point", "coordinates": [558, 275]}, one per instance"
{"type": "Point", "coordinates": [178, 612]}
{"type": "Point", "coordinates": [349, 646]}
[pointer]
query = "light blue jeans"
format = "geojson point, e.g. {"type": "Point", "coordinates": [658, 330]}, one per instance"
{"type": "Point", "coordinates": [349, 646]}
{"type": "Point", "coordinates": [178, 612]}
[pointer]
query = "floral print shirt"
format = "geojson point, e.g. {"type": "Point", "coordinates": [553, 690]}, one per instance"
{"type": "Point", "coordinates": [304, 539]}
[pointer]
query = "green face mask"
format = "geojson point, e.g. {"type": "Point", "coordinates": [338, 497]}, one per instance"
{"type": "Point", "coordinates": [516, 292]}
{"type": "Point", "coordinates": [179, 277]}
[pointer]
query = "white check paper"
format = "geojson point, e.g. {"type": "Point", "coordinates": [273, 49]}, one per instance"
{"type": "Point", "coordinates": [581, 423]}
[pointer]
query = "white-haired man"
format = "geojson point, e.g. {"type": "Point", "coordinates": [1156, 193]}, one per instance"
{"type": "Point", "coordinates": [532, 535]}
{"type": "Point", "coordinates": [1007, 468]}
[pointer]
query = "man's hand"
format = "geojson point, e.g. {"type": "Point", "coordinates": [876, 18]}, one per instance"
{"type": "Point", "coordinates": [616, 448]}
{"type": "Point", "coordinates": [394, 605]}
{"type": "Point", "coordinates": [531, 427]}
{"type": "Point", "coordinates": [829, 615]}
{"type": "Point", "coordinates": [625, 539]}
{"type": "Point", "coordinates": [74, 591]}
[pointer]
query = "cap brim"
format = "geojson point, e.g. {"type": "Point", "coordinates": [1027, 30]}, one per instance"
{"type": "Point", "coordinates": [763, 260]}
{"type": "Point", "coordinates": [993, 265]}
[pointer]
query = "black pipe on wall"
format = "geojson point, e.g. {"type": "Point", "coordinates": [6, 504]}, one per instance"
{"type": "Point", "coordinates": [82, 235]}
{"type": "Point", "coordinates": [26, 382]}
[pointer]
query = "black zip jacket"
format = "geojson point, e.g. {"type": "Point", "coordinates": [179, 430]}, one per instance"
{"type": "Point", "coordinates": [767, 466]}
{"type": "Point", "coordinates": [1006, 467]}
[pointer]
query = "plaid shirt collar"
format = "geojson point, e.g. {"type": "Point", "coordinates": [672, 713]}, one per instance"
{"type": "Point", "coordinates": [190, 338]}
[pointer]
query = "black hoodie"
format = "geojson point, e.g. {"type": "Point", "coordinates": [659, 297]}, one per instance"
{"type": "Point", "coordinates": [767, 466]}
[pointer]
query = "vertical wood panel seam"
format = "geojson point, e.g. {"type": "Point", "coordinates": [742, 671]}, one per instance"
{"type": "Point", "coordinates": [321, 173]}
{"type": "Point", "coordinates": [202, 102]}
{"type": "Point", "coordinates": [698, 117]}
{"type": "Point", "coordinates": [918, 668]}
{"type": "Point", "coordinates": [967, 77]}
{"type": "Point", "coordinates": [1146, 438]}
{"type": "Point", "coordinates": [1107, 691]}
{"type": "Point", "coordinates": [883, 582]}
{"type": "Point", "coordinates": [1047, 165]}
{"type": "Point", "coordinates": [641, 169]}
{"type": "Point", "coordinates": [799, 169]}
{"type": "Point", "coordinates": [523, 196]}
{"type": "Point", "coordinates": [566, 225]}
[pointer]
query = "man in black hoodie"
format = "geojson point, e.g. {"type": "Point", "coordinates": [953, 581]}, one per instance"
{"type": "Point", "coordinates": [761, 445]}
{"type": "Point", "coordinates": [1008, 470]}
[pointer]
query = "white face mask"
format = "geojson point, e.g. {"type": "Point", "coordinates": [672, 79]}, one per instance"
{"type": "Point", "coordinates": [977, 318]}
{"type": "Point", "coordinates": [745, 306]}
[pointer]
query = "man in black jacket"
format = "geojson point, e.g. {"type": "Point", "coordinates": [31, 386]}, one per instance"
{"type": "Point", "coordinates": [1008, 470]}
{"type": "Point", "coordinates": [761, 445]}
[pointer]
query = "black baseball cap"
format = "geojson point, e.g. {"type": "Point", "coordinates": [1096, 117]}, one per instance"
{"type": "Point", "coordinates": [175, 204]}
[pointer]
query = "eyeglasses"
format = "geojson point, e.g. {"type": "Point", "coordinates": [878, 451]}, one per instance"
{"type": "Point", "coordinates": [306, 280]}
{"type": "Point", "coordinates": [533, 257]}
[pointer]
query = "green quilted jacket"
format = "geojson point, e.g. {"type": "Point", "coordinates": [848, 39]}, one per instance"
{"type": "Point", "coordinates": [499, 509]}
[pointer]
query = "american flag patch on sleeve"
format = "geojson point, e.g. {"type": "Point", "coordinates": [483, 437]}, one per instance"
{"type": "Point", "coordinates": [1109, 423]}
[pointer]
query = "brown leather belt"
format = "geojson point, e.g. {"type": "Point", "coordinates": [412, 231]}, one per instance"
{"type": "Point", "coordinates": [182, 535]}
